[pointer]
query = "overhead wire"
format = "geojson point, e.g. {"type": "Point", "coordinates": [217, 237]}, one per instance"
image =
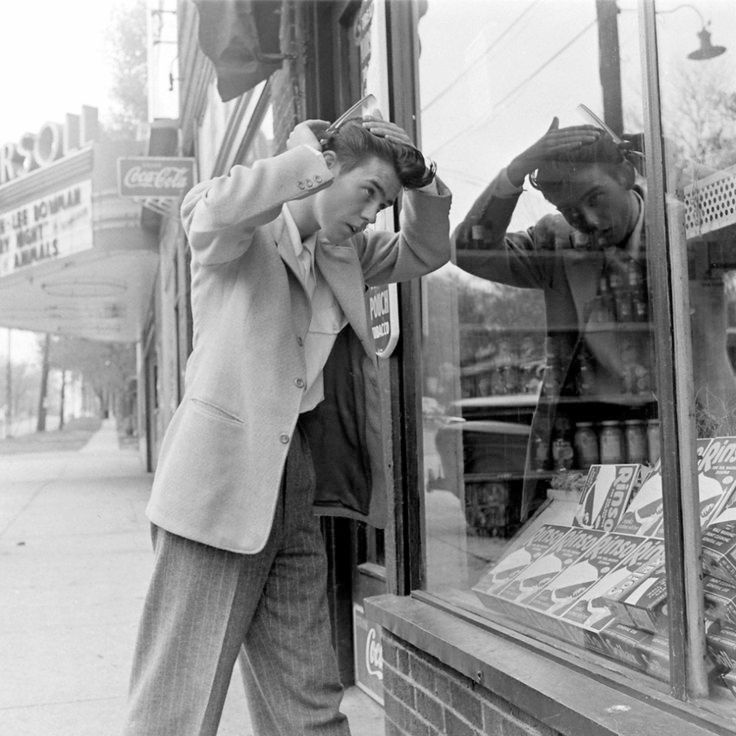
{"type": "Point", "coordinates": [472, 64]}
{"type": "Point", "coordinates": [496, 111]}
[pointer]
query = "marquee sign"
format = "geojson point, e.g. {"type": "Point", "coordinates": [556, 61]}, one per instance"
{"type": "Point", "coordinates": [46, 228]}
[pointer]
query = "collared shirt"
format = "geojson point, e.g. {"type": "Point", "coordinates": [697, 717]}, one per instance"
{"type": "Point", "coordinates": [327, 316]}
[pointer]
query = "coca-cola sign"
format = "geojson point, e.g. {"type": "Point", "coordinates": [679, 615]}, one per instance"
{"type": "Point", "coordinates": [155, 176]}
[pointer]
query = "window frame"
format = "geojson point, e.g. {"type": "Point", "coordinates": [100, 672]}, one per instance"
{"type": "Point", "coordinates": [688, 678]}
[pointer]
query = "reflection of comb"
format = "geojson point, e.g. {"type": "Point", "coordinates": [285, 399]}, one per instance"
{"type": "Point", "coordinates": [586, 112]}
{"type": "Point", "coordinates": [592, 117]}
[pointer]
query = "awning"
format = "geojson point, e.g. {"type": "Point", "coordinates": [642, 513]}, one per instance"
{"type": "Point", "coordinates": [242, 39]}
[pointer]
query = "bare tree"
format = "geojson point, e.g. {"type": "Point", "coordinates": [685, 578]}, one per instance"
{"type": "Point", "coordinates": [127, 41]}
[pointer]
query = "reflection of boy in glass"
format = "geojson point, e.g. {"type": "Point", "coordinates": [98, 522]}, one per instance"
{"type": "Point", "coordinates": [579, 258]}
{"type": "Point", "coordinates": [573, 257]}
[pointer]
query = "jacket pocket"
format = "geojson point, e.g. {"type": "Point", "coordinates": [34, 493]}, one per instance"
{"type": "Point", "coordinates": [215, 412]}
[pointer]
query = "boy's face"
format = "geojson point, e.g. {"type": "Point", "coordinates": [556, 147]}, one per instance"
{"type": "Point", "coordinates": [599, 204]}
{"type": "Point", "coordinates": [355, 198]}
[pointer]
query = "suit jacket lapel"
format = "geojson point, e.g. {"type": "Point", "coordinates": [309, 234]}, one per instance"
{"type": "Point", "coordinates": [285, 246]}
{"type": "Point", "coordinates": [341, 269]}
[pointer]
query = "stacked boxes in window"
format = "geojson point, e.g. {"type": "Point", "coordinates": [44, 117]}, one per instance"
{"type": "Point", "coordinates": [610, 553]}
{"type": "Point", "coordinates": [608, 490]}
{"type": "Point", "coordinates": [719, 536]}
{"type": "Point", "coordinates": [501, 573]}
{"type": "Point", "coordinates": [596, 609]}
{"type": "Point", "coordinates": [530, 581]}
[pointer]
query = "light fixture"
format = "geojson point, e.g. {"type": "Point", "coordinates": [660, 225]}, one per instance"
{"type": "Point", "coordinates": [707, 50]}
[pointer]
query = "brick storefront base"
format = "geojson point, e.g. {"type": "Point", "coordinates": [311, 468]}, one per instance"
{"type": "Point", "coordinates": [423, 697]}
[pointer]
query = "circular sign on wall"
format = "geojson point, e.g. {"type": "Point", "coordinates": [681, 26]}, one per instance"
{"type": "Point", "coordinates": [382, 305]}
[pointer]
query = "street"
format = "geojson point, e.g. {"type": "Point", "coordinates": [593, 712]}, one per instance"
{"type": "Point", "coordinates": [74, 564]}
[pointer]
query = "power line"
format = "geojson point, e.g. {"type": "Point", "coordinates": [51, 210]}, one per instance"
{"type": "Point", "coordinates": [472, 64]}
{"type": "Point", "coordinates": [497, 105]}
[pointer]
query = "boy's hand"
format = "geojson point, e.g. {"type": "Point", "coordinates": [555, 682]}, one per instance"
{"type": "Point", "coordinates": [387, 129]}
{"type": "Point", "coordinates": [551, 144]}
{"type": "Point", "coordinates": [307, 133]}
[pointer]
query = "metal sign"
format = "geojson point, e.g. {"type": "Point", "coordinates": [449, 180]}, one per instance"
{"type": "Point", "coordinates": [382, 304]}
{"type": "Point", "coordinates": [155, 177]}
{"type": "Point", "coordinates": [368, 654]}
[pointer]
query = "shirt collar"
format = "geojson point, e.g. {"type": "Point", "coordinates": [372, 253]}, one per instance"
{"type": "Point", "coordinates": [296, 240]}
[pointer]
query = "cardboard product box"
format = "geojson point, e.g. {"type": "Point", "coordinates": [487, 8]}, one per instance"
{"type": "Point", "coordinates": [546, 567]}
{"type": "Point", "coordinates": [649, 557]}
{"type": "Point", "coordinates": [657, 657]}
{"type": "Point", "coordinates": [719, 547]}
{"type": "Point", "coordinates": [729, 680]}
{"type": "Point", "coordinates": [607, 554]}
{"type": "Point", "coordinates": [627, 644]}
{"type": "Point", "coordinates": [646, 602]}
{"type": "Point", "coordinates": [595, 608]}
{"type": "Point", "coordinates": [500, 573]}
{"type": "Point", "coordinates": [643, 516]}
{"type": "Point", "coordinates": [722, 649]}
{"type": "Point", "coordinates": [716, 477]}
{"type": "Point", "coordinates": [719, 540]}
{"type": "Point", "coordinates": [608, 489]}
{"type": "Point", "coordinates": [720, 601]}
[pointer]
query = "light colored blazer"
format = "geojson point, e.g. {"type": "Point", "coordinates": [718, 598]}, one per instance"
{"type": "Point", "coordinates": [222, 458]}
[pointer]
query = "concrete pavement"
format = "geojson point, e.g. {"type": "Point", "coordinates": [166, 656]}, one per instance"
{"type": "Point", "coordinates": [74, 564]}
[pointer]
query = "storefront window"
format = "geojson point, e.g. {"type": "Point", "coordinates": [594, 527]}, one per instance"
{"type": "Point", "coordinates": [541, 356]}
{"type": "Point", "coordinates": [698, 93]}
{"type": "Point", "coordinates": [542, 496]}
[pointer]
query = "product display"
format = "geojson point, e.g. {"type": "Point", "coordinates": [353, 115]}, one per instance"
{"type": "Point", "coordinates": [608, 489]}
{"type": "Point", "coordinates": [601, 583]}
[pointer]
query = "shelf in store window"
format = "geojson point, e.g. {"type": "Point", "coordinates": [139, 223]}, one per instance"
{"type": "Point", "coordinates": [610, 399]}
{"type": "Point", "coordinates": [592, 327]}
{"type": "Point", "coordinates": [503, 401]}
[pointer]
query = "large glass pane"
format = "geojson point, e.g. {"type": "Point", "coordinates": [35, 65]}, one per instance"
{"type": "Point", "coordinates": [697, 70]}
{"type": "Point", "coordinates": [542, 498]}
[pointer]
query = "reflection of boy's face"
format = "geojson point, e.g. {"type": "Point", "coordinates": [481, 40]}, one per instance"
{"type": "Point", "coordinates": [597, 203]}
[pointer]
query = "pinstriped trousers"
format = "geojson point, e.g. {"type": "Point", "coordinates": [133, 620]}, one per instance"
{"type": "Point", "coordinates": [206, 608]}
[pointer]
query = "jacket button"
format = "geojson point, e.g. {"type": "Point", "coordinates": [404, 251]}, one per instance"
{"type": "Point", "coordinates": [318, 179]}
{"type": "Point", "coordinates": [284, 439]}
{"type": "Point", "coordinates": [310, 183]}
{"type": "Point", "coordinates": [301, 185]}
{"type": "Point", "coordinates": [299, 382]}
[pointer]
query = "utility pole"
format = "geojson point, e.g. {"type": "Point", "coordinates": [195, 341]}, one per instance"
{"type": "Point", "coordinates": [61, 399]}
{"type": "Point", "coordinates": [610, 64]}
{"type": "Point", "coordinates": [43, 393]}
{"type": "Point", "coordinates": [9, 387]}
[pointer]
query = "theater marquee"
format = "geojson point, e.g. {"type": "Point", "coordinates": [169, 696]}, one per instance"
{"type": "Point", "coordinates": [56, 225]}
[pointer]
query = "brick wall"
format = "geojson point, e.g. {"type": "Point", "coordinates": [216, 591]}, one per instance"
{"type": "Point", "coordinates": [423, 697]}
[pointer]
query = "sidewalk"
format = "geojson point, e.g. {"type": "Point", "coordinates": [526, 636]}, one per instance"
{"type": "Point", "coordinates": [74, 564]}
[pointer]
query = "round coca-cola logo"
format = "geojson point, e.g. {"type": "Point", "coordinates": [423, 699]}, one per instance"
{"type": "Point", "coordinates": [374, 654]}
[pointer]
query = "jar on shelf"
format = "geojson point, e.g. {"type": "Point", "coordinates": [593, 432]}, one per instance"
{"type": "Point", "coordinates": [562, 448]}
{"type": "Point", "coordinates": [653, 449]}
{"type": "Point", "coordinates": [636, 441]}
{"type": "Point", "coordinates": [585, 441]}
{"type": "Point", "coordinates": [611, 443]}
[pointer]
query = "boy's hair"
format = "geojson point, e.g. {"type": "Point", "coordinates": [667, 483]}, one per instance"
{"type": "Point", "coordinates": [353, 144]}
{"type": "Point", "coordinates": [553, 175]}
